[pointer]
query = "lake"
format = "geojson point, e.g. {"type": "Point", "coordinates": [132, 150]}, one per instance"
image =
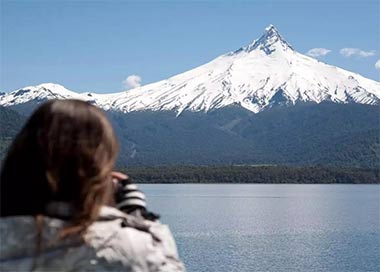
{"type": "Point", "coordinates": [256, 227]}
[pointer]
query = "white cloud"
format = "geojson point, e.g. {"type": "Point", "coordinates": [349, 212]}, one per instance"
{"type": "Point", "coordinates": [377, 64]}
{"type": "Point", "coordinates": [318, 52]}
{"type": "Point", "coordinates": [132, 81]}
{"type": "Point", "coordinates": [348, 52]}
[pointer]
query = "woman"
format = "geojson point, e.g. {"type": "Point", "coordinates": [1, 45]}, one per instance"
{"type": "Point", "coordinates": [59, 198]}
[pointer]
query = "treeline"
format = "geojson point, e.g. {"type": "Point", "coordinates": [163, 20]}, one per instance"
{"type": "Point", "coordinates": [253, 174]}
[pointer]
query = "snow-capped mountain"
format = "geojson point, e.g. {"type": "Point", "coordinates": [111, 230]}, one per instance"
{"type": "Point", "coordinates": [266, 72]}
{"type": "Point", "coordinates": [48, 91]}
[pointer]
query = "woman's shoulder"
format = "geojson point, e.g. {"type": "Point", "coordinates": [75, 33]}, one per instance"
{"type": "Point", "coordinates": [117, 241]}
{"type": "Point", "coordinates": [147, 245]}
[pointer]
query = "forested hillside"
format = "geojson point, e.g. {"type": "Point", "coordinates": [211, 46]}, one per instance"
{"type": "Point", "coordinates": [10, 124]}
{"type": "Point", "coordinates": [327, 134]}
{"type": "Point", "coordinates": [309, 134]}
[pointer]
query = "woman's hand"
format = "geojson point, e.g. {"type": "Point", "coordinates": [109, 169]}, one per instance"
{"type": "Point", "coordinates": [118, 176]}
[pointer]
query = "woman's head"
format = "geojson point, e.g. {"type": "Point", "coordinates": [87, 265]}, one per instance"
{"type": "Point", "coordinates": [65, 152]}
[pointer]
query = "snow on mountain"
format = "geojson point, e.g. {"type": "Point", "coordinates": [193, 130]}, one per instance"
{"type": "Point", "coordinates": [266, 72]}
{"type": "Point", "coordinates": [40, 92]}
{"type": "Point", "coordinates": [47, 91]}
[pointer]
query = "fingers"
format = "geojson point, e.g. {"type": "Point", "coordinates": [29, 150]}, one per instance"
{"type": "Point", "coordinates": [118, 175]}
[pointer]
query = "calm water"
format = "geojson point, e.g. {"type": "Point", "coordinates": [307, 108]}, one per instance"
{"type": "Point", "coordinates": [272, 227]}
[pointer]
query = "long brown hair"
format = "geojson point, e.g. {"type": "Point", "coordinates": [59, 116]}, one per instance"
{"type": "Point", "coordinates": [65, 152]}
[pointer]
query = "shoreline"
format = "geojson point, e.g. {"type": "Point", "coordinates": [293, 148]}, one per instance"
{"type": "Point", "coordinates": [256, 174]}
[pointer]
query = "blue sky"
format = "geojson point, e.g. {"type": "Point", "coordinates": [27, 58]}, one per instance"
{"type": "Point", "coordinates": [96, 45]}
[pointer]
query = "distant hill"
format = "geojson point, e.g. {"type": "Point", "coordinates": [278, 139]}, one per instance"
{"type": "Point", "coordinates": [308, 134]}
{"type": "Point", "coordinates": [326, 134]}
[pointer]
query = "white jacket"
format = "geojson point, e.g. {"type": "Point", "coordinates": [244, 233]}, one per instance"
{"type": "Point", "coordinates": [116, 242]}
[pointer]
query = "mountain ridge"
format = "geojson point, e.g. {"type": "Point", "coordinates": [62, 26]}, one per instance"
{"type": "Point", "coordinates": [265, 73]}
